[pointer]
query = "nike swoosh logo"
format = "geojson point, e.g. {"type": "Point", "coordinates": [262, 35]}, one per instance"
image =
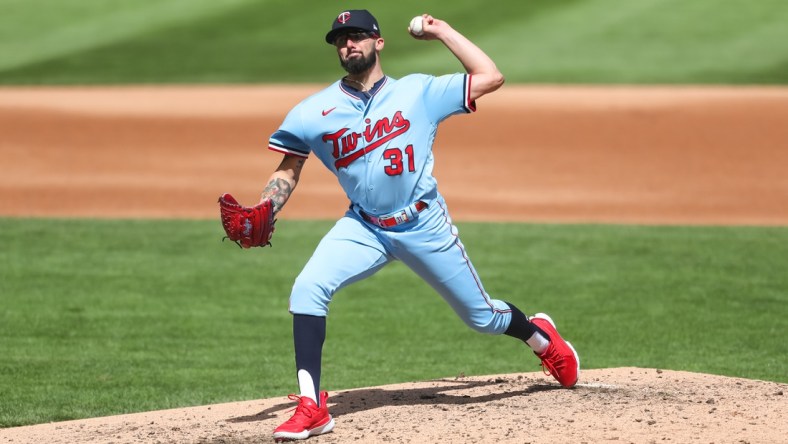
{"type": "Point", "coordinates": [325, 112]}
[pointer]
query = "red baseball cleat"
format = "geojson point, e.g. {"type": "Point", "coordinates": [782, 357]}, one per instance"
{"type": "Point", "coordinates": [308, 420]}
{"type": "Point", "coordinates": [560, 359]}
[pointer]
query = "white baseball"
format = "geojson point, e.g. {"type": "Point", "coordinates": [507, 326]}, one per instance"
{"type": "Point", "coordinates": [416, 25]}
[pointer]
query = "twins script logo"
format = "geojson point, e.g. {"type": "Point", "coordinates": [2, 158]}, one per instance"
{"type": "Point", "coordinates": [345, 142]}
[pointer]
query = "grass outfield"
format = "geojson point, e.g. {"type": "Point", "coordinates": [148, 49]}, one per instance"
{"type": "Point", "coordinates": [107, 317]}
{"type": "Point", "coordinates": [561, 41]}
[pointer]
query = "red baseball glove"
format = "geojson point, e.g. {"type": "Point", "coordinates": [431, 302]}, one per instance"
{"type": "Point", "coordinates": [247, 227]}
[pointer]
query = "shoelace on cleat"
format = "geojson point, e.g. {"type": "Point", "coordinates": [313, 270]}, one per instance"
{"type": "Point", "coordinates": [300, 409]}
{"type": "Point", "coordinates": [549, 366]}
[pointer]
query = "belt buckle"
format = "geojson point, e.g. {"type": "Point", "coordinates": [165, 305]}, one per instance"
{"type": "Point", "coordinates": [400, 218]}
{"type": "Point", "coordinates": [374, 220]}
{"type": "Point", "coordinates": [392, 220]}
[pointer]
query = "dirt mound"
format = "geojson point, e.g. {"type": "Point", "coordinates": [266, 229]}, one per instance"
{"type": "Point", "coordinates": [622, 405]}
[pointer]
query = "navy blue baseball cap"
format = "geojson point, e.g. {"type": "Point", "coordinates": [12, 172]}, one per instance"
{"type": "Point", "coordinates": [353, 20]}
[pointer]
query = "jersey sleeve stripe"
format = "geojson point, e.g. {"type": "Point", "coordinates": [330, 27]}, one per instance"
{"type": "Point", "coordinates": [468, 104]}
{"type": "Point", "coordinates": [286, 150]}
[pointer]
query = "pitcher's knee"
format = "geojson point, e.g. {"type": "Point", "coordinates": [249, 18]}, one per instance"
{"type": "Point", "coordinates": [309, 298]}
{"type": "Point", "coordinates": [491, 322]}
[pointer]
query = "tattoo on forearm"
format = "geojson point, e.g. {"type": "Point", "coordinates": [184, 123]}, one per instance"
{"type": "Point", "coordinates": [278, 190]}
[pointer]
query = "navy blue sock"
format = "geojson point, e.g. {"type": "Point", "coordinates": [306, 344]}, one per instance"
{"type": "Point", "coordinates": [309, 333]}
{"type": "Point", "coordinates": [520, 327]}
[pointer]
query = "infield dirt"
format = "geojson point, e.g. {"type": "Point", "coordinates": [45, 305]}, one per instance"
{"type": "Point", "coordinates": [634, 155]}
{"type": "Point", "coordinates": [649, 155]}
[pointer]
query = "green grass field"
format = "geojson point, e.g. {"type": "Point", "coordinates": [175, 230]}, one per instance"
{"type": "Point", "coordinates": [256, 41]}
{"type": "Point", "coordinates": [106, 317]}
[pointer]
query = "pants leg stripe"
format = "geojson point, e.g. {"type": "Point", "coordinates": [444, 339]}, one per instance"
{"type": "Point", "coordinates": [468, 264]}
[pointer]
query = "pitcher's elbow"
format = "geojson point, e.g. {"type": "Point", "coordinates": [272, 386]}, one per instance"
{"type": "Point", "coordinates": [498, 80]}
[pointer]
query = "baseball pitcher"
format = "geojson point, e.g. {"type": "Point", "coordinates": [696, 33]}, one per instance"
{"type": "Point", "coordinates": [375, 133]}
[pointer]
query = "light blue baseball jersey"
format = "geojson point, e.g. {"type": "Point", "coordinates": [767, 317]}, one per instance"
{"type": "Point", "coordinates": [380, 149]}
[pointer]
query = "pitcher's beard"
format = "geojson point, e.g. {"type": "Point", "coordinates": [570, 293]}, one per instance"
{"type": "Point", "coordinates": [358, 65]}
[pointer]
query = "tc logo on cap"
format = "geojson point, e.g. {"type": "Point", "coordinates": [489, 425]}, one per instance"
{"type": "Point", "coordinates": [343, 17]}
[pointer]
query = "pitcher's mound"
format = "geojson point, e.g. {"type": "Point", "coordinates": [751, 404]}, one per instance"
{"type": "Point", "coordinates": [621, 405]}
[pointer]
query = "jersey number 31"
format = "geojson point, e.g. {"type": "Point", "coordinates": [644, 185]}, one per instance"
{"type": "Point", "coordinates": [395, 157]}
